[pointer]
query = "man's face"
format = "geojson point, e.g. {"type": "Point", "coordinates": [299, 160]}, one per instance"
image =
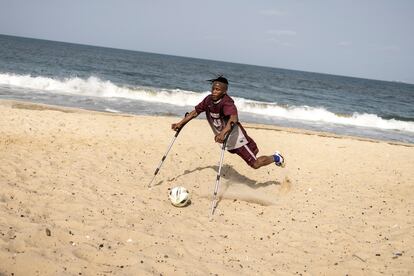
{"type": "Point", "coordinates": [218, 89]}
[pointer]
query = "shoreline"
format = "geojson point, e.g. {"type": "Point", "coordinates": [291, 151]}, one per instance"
{"type": "Point", "coordinates": [73, 199]}
{"type": "Point", "coordinates": [40, 106]}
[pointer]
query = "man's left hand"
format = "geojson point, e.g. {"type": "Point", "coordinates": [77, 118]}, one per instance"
{"type": "Point", "coordinates": [220, 137]}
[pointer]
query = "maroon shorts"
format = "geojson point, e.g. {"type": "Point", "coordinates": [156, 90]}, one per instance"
{"type": "Point", "coordinates": [248, 152]}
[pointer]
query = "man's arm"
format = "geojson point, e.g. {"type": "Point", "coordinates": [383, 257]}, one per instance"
{"type": "Point", "coordinates": [185, 120]}
{"type": "Point", "coordinates": [220, 137]}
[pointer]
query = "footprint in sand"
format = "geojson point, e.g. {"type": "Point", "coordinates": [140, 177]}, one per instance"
{"type": "Point", "coordinates": [16, 246]}
{"type": "Point", "coordinates": [86, 253]}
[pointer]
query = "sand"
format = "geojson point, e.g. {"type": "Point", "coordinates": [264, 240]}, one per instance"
{"type": "Point", "coordinates": [73, 200]}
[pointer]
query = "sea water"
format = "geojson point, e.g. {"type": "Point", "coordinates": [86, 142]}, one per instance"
{"type": "Point", "coordinates": [115, 80]}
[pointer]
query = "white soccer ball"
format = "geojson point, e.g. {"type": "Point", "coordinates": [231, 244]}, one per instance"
{"type": "Point", "coordinates": [179, 196]}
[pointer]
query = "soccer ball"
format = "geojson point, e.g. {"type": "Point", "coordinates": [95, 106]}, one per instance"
{"type": "Point", "coordinates": [179, 196]}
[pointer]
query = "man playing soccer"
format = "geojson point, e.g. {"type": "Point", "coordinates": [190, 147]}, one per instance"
{"type": "Point", "coordinates": [221, 112]}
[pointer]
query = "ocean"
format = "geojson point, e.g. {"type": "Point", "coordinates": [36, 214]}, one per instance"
{"type": "Point", "coordinates": [124, 81]}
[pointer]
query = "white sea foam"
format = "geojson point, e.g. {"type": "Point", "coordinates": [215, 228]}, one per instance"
{"type": "Point", "coordinates": [96, 87]}
{"type": "Point", "coordinates": [112, 110]}
{"type": "Point", "coordinates": [320, 114]}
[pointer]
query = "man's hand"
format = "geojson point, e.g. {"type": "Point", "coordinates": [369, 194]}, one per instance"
{"type": "Point", "coordinates": [219, 138]}
{"type": "Point", "coordinates": [176, 126]}
{"type": "Point", "coordinates": [188, 117]}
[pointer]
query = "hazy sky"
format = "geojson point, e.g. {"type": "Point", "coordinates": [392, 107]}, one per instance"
{"type": "Point", "coordinates": [362, 38]}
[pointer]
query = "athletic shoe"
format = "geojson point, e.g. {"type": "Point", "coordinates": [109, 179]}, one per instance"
{"type": "Point", "coordinates": [279, 160]}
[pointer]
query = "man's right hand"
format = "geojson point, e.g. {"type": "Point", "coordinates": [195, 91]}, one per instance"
{"type": "Point", "coordinates": [176, 126]}
{"type": "Point", "coordinates": [188, 117]}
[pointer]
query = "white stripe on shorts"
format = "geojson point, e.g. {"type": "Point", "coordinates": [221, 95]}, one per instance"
{"type": "Point", "coordinates": [251, 153]}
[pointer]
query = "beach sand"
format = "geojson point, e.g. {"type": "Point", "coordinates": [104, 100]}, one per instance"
{"type": "Point", "coordinates": [73, 200]}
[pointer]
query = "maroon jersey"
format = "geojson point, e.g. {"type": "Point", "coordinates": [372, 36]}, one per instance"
{"type": "Point", "coordinates": [218, 114]}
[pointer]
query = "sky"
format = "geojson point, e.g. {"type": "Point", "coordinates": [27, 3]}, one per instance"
{"type": "Point", "coordinates": [362, 38]}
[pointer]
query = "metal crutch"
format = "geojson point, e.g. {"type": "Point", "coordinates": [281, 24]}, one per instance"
{"type": "Point", "coordinates": [165, 155]}
{"type": "Point", "coordinates": [216, 188]}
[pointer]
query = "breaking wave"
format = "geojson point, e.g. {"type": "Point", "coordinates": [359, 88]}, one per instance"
{"type": "Point", "coordinates": [96, 87]}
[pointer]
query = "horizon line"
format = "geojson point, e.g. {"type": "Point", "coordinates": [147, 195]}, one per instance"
{"type": "Point", "coordinates": [225, 61]}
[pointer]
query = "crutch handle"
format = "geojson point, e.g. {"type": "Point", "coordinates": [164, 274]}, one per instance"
{"type": "Point", "coordinates": [178, 130]}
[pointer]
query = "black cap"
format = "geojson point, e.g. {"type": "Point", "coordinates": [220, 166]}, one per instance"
{"type": "Point", "coordinates": [219, 79]}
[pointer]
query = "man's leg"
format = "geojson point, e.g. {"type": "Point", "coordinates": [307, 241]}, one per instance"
{"type": "Point", "coordinates": [248, 153]}
{"type": "Point", "coordinates": [276, 158]}
{"type": "Point", "coordinates": [263, 161]}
